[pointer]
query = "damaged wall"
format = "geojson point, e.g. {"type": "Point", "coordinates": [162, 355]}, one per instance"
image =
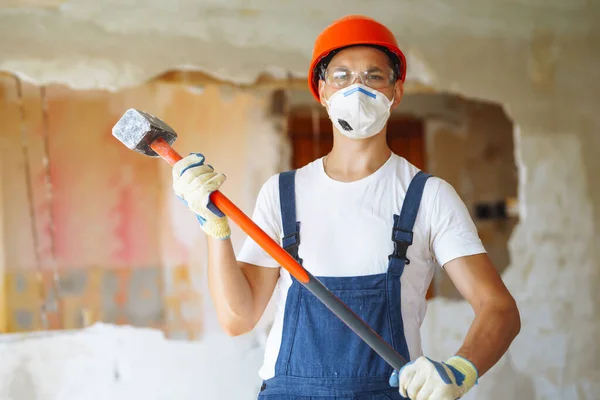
{"type": "Point", "coordinates": [538, 59]}
{"type": "Point", "coordinates": [91, 44]}
{"type": "Point", "coordinates": [123, 363]}
{"type": "Point", "coordinates": [470, 144]}
{"type": "Point", "coordinates": [554, 275]}
{"type": "Point", "coordinates": [3, 319]}
{"type": "Point", "coordinates": [127, 251]}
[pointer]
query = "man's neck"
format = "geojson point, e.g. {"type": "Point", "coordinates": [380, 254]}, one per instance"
{"type": "Point", "coordinates": [351, 160]}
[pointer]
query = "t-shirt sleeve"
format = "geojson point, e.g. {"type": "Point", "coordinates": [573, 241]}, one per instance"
{"type": "Point", "coordinates": [453, 232]}
{"type": "Point", "coordinates": [266, 215]}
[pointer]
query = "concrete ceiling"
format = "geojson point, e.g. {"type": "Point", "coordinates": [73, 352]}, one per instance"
{"type": "Point", "coordinates": [114, 44]}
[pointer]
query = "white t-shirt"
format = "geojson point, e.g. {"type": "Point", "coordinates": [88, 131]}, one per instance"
{"type": "Point", "coordinates": [346, 228]}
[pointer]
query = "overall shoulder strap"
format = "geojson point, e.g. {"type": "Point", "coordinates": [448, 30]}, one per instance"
{"type": "Point", "coordinates": [402, 234]}
{"type": "Point", "coordinates": [287, 199]}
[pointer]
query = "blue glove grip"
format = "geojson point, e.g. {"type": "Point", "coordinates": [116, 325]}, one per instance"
{"type": "Point", "coordinates": [211, 207]}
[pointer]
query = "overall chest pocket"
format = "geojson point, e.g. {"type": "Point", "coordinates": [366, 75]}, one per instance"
{"type": "Point", "coordinates": [324, 347]}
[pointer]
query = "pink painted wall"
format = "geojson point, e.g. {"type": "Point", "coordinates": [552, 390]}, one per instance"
{"type": "Point", "coordinates": [103, 197]}
{"type": "Point", "coordinates": [113, 209]}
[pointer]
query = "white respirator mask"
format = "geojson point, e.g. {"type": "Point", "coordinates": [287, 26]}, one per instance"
{"type": "Point", "coordinates": [358, 111]}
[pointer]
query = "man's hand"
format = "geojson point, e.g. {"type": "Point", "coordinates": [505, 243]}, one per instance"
{"type": "Point", "coordinates": [193, 182]}
{"type": "Point", "coordinates": [424, 379]}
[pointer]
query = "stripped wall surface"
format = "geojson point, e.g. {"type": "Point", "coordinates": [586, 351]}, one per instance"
{"type": "Point", "coordinates": [3, 318]}
{"type": "Point", "coordinates": [113, 242]}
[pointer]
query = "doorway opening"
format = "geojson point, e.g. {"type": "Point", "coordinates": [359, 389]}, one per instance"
{"type": "Point", "coordinates": [468, 143]}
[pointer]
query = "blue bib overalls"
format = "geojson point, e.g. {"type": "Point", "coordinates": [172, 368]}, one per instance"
{"type": "Point", "coordinates": [320, 357]}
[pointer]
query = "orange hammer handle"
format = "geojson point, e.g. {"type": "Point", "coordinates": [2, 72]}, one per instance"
{"type": "Point", "coordinates": [164, 149]}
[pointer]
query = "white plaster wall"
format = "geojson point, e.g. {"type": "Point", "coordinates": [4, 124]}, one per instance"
{"type": "Point", "coordinates": [555, 284]}
{"type": "Point", "coordinates": [111, 44]}
{"type": "Point", "coordinates": [123, 363]}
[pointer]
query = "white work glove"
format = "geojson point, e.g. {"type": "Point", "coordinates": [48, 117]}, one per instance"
{"type": "Point", "coordinates": [424, 379]}
{"type": "Point", "coordinates": [193, 182]}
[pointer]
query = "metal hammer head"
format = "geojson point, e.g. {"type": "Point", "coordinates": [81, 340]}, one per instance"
{"type": "Point", "coordinates": [137, 130]}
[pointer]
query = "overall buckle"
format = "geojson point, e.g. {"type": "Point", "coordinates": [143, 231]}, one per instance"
{"type": "Point", "coordinates": [402, 239]}
{"type": "Point", "coordinates": [293, 246]}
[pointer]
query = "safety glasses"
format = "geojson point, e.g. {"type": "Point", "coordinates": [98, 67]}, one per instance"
{"type": "Point", "coordinates": [375, 78]}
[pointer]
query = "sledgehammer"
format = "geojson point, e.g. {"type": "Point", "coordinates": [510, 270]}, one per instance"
{"type": "Point", "coordinates": [150, 136]}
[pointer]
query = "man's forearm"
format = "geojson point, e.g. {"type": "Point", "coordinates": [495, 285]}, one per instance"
{"type": "Point", "coordinates": [490, 335]}
{"type": "Point", "coordinates": [229, 288]}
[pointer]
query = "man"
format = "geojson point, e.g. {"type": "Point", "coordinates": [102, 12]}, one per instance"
{"type": "Point", "coordinates": [371, 227]}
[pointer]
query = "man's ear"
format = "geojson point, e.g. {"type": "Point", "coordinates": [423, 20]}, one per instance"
{"type": "Point", "coordinates": [398, 92]}
{"type": "Point", "coordinates": [322, 98]}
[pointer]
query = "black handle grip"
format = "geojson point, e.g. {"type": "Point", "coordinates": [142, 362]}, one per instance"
{"type": "Point", "coordinates": [354, 322]}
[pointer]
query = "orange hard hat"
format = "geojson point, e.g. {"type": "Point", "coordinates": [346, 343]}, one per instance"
{"type": "Point", "coordinates": [349, 31]}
